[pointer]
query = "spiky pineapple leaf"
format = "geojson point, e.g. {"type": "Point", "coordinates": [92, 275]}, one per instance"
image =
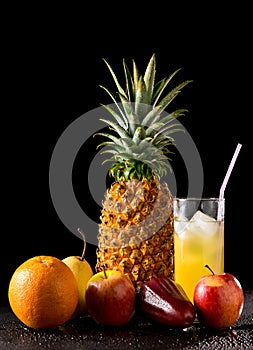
{"type": "Point", "coordinates": [115, 139]}
{"type": "Point", "coordinates": [151, 117]}
{"type": "Point", "coordinates": [116, 127]}
{"type": "Point", "coordinates": [161, 85]}
{"type": "Point", "coordinates": [141, 100]}
{"type": "Point", "coordinates": [135, 78]}
{"type": "Point", "coordinates": [120, 119]}
{"type": "Point", "coordinates": [172, 94]}
{"type": "Point", "coordinates": [129, 82]}
{"type": "Point", "coordinates": [139, 135]}
{"type": "Point", "coordinates": [149, 79]}
{"type": "Point", "coordinates": [116, 103]}
{"type": "Point", "coordinates": [170, 129]}
{"type": "Point", "coordinates": [120, 89]}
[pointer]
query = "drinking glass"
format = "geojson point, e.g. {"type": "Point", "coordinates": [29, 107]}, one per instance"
{"type": "Point", "coordinates": [198, 239]}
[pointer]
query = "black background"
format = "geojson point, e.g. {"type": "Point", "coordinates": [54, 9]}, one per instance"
{"type": "Point", "coordinates": [52, 68]}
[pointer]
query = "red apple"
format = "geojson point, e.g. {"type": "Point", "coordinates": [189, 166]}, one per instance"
{"type": "Point", "coordinates": [163, 300]}
{"type": "Point", "coordinates": [218, 300]}
{"type": "Point", "coordinates": [110, 298]}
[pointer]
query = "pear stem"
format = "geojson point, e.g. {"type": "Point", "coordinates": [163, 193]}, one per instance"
{"type": "Point", "coordinates": [209, 268]}
{"type": "Point", "coordinates": [79, 230]}
{"type": "Point", "coordinates": [104, 272]}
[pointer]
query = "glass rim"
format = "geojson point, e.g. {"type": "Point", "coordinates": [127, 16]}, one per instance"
{"type": "Point", "coordinates": [199, 199]}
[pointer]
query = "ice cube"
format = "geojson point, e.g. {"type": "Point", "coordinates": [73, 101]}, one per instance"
{"type": "Point", "coordinates": [202, 224]}
{"type": "Point", "coordinates": [199, 215]}
{"type": "Point", "coordinates": [180, 223]}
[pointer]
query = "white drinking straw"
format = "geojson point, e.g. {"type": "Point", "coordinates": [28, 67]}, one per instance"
{"type": "Point", "coordinates": [225, 181]}
{"type": "Point", "coordinates": [220, 205]}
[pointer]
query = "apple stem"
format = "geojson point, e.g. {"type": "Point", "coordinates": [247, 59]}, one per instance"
{"type": "Point", "coordinates": [209, 268]}
{"type": "Point", "coordinates": [79, 230]}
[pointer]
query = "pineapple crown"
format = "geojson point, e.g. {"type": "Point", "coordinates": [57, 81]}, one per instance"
{"type": "Point", "coordinates": [142, 131]}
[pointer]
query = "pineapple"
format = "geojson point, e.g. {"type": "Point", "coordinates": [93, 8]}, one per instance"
{"type": "Point", "coordinates": [136, 223]}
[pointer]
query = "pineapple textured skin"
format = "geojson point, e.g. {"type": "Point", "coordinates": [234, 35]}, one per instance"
{"type": "Point", "coordinates": [136, 230]}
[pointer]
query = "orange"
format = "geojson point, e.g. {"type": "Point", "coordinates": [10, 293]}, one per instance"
{"type": "Point", "coordinates": [43, 292]}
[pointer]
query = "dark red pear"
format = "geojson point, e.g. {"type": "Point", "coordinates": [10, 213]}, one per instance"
{"type": "Point", "coordinates": [163, 300]}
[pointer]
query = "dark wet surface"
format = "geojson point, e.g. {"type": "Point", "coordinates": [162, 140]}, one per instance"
{"type": "Point", "coordinates": [84, 333]}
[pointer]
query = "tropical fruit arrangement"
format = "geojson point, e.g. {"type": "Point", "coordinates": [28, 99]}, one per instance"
{"type": "Point", "coordinates": [134, 270]}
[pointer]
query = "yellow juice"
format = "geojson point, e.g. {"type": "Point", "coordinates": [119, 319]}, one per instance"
{"type": "Point", "coordinates": [195, 247]}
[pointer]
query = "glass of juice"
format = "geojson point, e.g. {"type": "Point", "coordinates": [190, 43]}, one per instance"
{"type": "Point", "coordinates": [198, 239]}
